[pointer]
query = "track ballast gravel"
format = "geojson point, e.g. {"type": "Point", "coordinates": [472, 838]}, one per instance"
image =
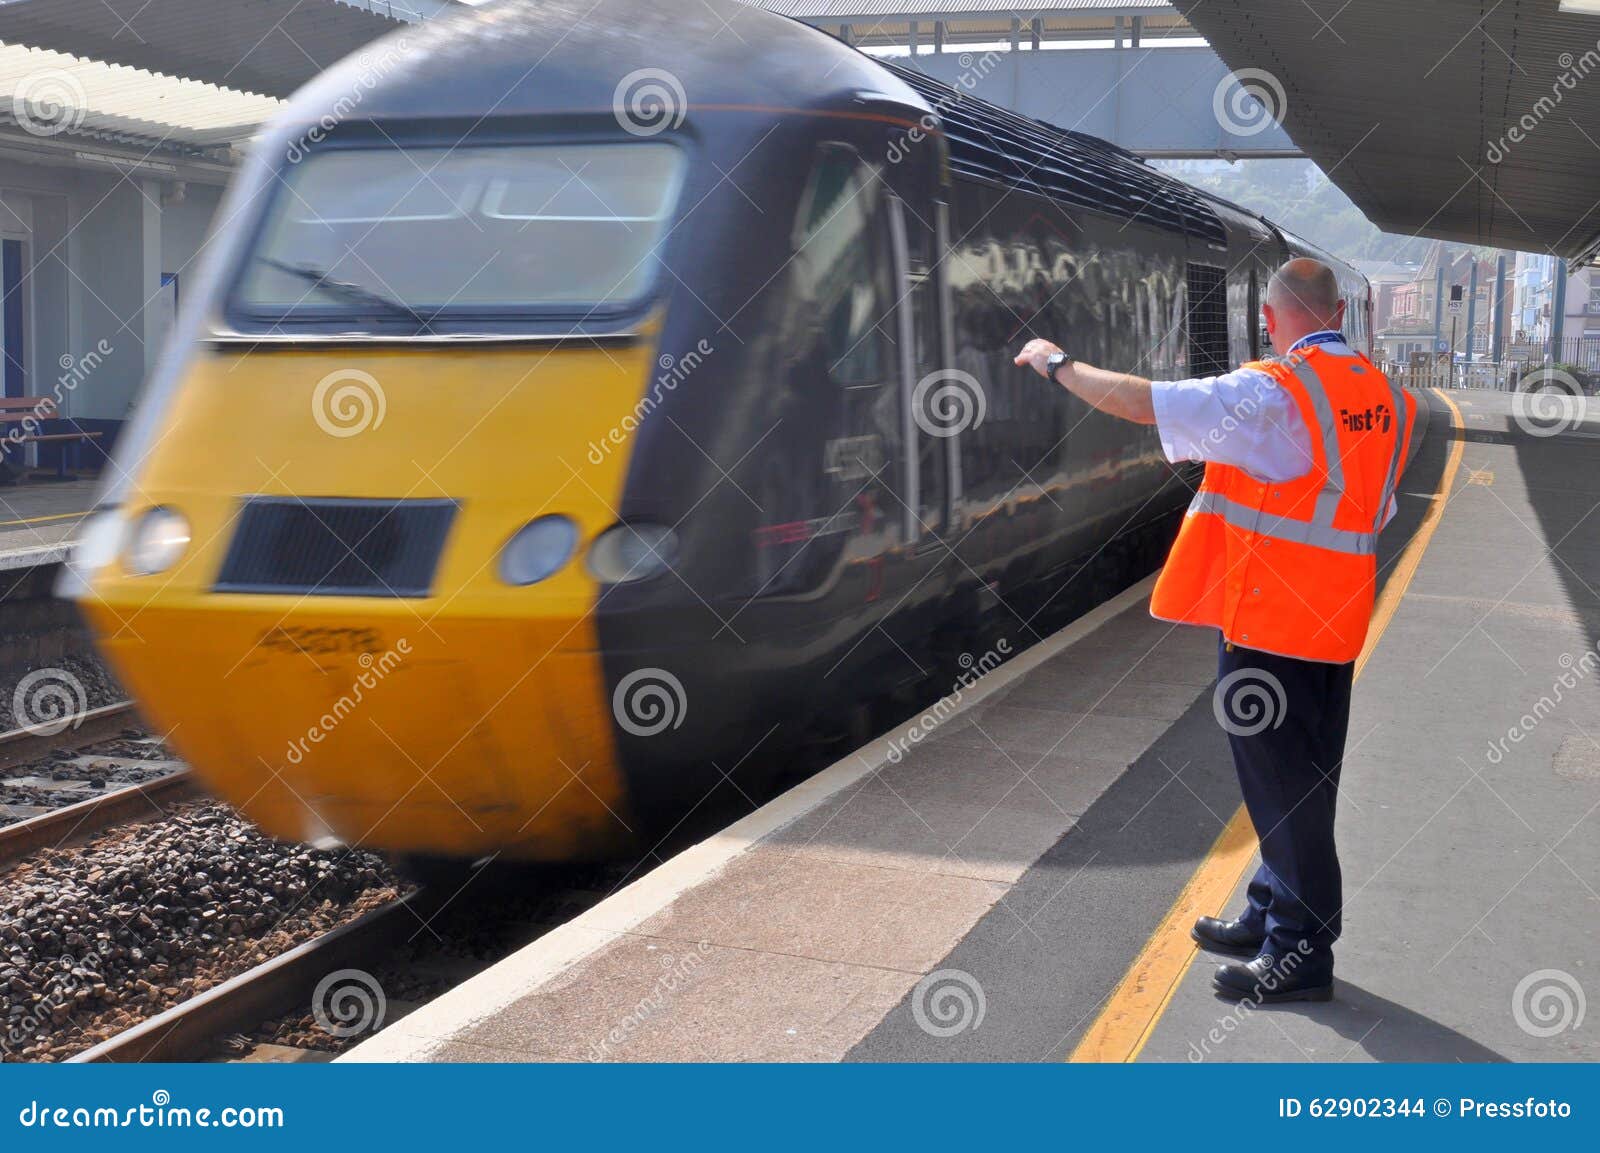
{"type": "Point", "coordinates": [95, 938]}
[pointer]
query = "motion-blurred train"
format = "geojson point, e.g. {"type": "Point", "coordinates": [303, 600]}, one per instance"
{"type": "Point", "coordinates": [580, 406]}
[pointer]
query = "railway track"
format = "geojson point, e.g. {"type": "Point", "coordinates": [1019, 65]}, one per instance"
{"type": "Point", "coordinates": [21, 746]}
{"type": "Point", "coordinates": [341, 987]}
{"type": "Point", "coordinates": [99, 939]}
{"type": "Point", "coordinates": [407, 950]}
{"type": "Point", "coordinates": [253, 993]}
{"type": "Point", "coordinates": [266, 991]}
{"type": "Point", "coordinates": [83, 803]}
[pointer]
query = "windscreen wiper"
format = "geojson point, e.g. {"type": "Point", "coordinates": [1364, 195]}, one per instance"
{"type": "Point", "coordinates": [359, 293]}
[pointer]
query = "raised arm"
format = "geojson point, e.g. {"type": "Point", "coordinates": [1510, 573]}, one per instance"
{"type": "Point", "coordinates": [1241, 418]}
{"type": "Point", "coordinates": [1119, 393]}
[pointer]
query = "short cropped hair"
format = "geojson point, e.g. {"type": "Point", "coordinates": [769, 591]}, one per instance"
{"type": "Point", "coordinates": [1306, 286]}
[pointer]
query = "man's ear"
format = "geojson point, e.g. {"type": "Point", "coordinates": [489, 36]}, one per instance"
{"type": "Point", "coordinates": [1271, 318]}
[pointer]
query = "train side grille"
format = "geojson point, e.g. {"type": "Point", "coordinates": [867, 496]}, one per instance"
{"type": "Point", "coordinates": [331, 547]}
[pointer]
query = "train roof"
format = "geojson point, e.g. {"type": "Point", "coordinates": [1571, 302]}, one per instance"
{"type": "Point", "coordinates": [995, 143]}
{"type": "Point", "coordinates": [1300, 246]}
{"type": "Point", "coordinates": [530, 57]}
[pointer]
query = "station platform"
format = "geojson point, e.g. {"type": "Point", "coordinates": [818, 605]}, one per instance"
{"type": "Point", "coordinates": [38, 520]}
{"type": "Point", "coordinates": [1018, 881]}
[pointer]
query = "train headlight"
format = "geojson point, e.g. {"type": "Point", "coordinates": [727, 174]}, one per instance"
{"type": "Point", "coordinates": [538, 550]}
{"type": "Point", "coordinates": [99, 539]}
{"type": "Point", "coordinates": [158, 539]}
{"type": "Point", "coordinates": [632, 552]}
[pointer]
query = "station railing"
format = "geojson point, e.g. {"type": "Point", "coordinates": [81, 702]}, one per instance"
{"type": "Point", "coordinates": [1494, 376]}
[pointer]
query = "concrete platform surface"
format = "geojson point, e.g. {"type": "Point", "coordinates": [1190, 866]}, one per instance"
{"type": "Point", "coordinates": [1468, 831]}
{"type": "Point", "coordinates": [39, 518]}
{"type": "Point", "coordinates": [1016, 883]}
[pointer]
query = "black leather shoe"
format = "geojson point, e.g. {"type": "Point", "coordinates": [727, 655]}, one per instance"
{"type": "Point", "coordinates": [1230, 938]}
{"type": "Point", "coordinates": [1267, 980]}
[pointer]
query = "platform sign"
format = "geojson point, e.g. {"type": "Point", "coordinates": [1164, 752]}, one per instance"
{"type": "Point", "coordinates": [1455, 300]}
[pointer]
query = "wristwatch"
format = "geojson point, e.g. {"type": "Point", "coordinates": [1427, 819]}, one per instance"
{"type": "Point", "coordinates": [1057, 361]}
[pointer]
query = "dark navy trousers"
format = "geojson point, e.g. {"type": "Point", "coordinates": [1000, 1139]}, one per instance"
{"type": "Point", "coordinates": [1286, 721]}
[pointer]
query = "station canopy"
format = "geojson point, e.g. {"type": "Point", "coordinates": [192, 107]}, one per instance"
{"type": "Point", "coordinates": [882, 22]}
{"type": "Point", "coordinates": [156, 83]}
{"type": "Point", "coordinates": [266, 47]}
{"type": "Point", "coordinates": [1474, 122]}
{"type": "Point", "coordinates": [115, 102]}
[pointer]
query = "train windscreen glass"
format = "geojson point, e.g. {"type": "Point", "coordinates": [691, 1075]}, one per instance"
{"type": "Point", "coordinates": [461, 232]}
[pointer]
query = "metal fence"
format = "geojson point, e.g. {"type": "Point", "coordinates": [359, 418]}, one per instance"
{"type": "Point", "coordinates": [1580, 352]}
{"type": "Point", "coordinates": [1495, 376]}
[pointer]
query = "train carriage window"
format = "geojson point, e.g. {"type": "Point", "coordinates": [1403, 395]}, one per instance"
{"type": "Point", "coordinates": [834, 245]}
{"type": "Point", "coordinates": [1208, 320]}
{"type": "Point", "coordinates": [935, 404]}
{"type": "Point", "coordinates": [1259, 340]}
{"type": "Point", "coordinates": [837, 394]}
{"type": "Point", "coordinates": [463, 232]}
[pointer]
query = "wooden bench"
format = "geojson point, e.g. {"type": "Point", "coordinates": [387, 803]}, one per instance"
{"type": "Point", "coordinates": [19, 411]}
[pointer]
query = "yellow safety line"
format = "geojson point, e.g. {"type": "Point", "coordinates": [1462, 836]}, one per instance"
{"type": "Point", "coordinates": [1131, 1013]}
{"type": "Point", "coordinates": [42, 519]}
{"type": "Point", "coordinates": [1406, 568]}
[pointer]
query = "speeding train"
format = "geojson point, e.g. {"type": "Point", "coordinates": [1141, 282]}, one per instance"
{"type": "Point", "coordinates": [581, 408]}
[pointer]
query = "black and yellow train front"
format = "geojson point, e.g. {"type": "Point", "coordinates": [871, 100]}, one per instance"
{"type": "Point", "coordinates": [426, 538]}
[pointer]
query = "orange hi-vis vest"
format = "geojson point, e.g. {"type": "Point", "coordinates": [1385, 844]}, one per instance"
{"type": "Point", "coordinates": [1291, 567]}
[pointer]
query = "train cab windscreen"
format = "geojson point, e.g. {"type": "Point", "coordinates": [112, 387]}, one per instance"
{"type": "Point", "coordinates": [486, 231]}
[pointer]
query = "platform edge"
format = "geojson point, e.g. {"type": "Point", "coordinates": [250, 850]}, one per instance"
{"type": "Point", "coordinates": [417, 1036]}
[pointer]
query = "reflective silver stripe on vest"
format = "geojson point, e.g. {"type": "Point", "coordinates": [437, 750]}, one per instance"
{"type": "Point", "coordinates": [1398, 399]}
{"type": "Point", "coordinates": [1318, 531]}
{"type": "Point", "coordinates": [1242, 516]}
{"type": "Point", "coordinates": [1332, 492]}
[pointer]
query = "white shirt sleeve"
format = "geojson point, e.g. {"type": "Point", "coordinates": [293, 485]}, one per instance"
{"type": "Point", "coordinates": [1243, 418]}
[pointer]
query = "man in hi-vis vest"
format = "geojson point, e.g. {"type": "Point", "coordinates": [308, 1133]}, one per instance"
{"type": "Point", "coordinates": [1279, 553]}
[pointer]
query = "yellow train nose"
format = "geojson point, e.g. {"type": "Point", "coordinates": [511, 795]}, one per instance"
{"type": "Point", "coordinates": [453, 736]}
{"type": "Point", "coordinates": [425, 699]}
